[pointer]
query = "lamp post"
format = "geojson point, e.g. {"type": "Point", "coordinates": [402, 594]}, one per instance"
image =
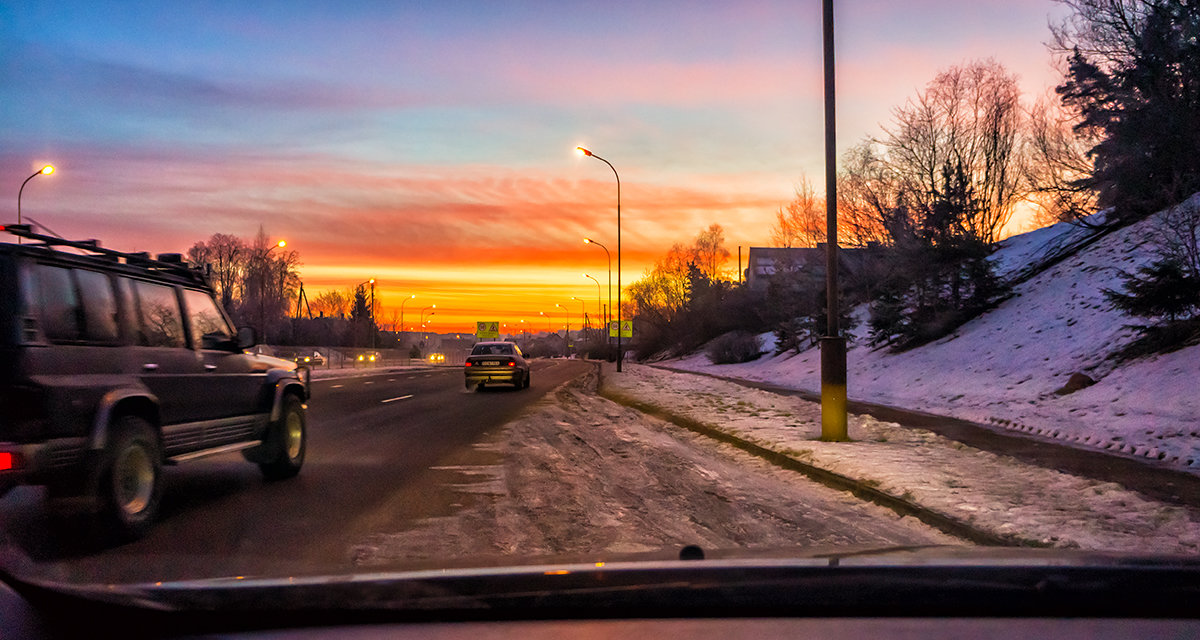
{"type": "Point", "coordinates": [583, 319]}
{"type": "Point", "coordinates": [833, 344]}
{"type": "Point", "coordinates": [262, 288]}
{"type": "Point", "coordinates": [44, 171]}
{"type": "Point", "coordinates": [402, 311]}
{"type": "Point", "coordinates": [567, 337]}
{"type": "Point", "coordinates": [608, 314]}
{"type": "Point", "coordinates": [371, 312]}
{"type": "Point", "coordinates": [618, 176]}
{"type": "Point", "coordinates": [582, 311]}
{"type": "Point", "coordinates": [599, 312]}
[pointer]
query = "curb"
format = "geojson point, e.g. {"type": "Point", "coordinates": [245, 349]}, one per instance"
{"type": "Point", "coordinates": [857, 488]}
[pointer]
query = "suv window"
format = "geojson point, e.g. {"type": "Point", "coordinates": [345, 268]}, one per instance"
{"type": "Point", "coordinates": [99, 306]}
{"type": "Point", "coordinates": [162, 325]}
{"type": "Point", "coordinates": [59, 305]}
{"type": "Point", "coordinates": [209, 328]}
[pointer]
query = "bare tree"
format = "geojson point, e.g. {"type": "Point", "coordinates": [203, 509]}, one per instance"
{"type": "Point", "coordinates": [1058, 172]}
{"type": "Point", "coordinates": [871, 206]}
{"type": "Point", "coordinates": [802, 223]}
{"type": "Point", "coordinates": [709, 253]}
{"type": "Point", "coordinates": [968, 117]}
{"type": "Point", "coordinates": [333, 303]}
{"type": "Point", "coordinates": [226, 255]}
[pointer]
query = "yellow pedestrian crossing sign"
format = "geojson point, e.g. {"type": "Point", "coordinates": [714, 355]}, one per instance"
{"type": "Point", "coordinates": [487, 330]}
{"type": "Point", "coordinates": [626, 328]}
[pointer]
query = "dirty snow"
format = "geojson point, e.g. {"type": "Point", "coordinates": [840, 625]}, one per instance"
{"type": "Point", "coordinates": [991, 492]}
{"type": "Point", "coordinates": [1004, 367]}
{"type": "Point", "coordinates": [581, 475]}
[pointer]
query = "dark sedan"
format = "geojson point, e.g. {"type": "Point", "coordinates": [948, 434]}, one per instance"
{"type": "Point", "coordinates": [496, 362]}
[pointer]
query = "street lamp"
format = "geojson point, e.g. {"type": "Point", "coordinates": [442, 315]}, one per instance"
{"type": "Point", "coordinates": [582, 311]}
{"type": "Point", "coordinates": [402, 311]}
{"type": "Point", "coordinates": [44, 171]}
{"type": "Point", "coordinates": [262, 290]}
{"type": "Point", "coordinates": [599, 313]}
{"type": "Point", "coordinates": [433, 306]}
{"type": "Point", "coordinates": [608, 315]}
{"type": "Point", "coordinates": [372, 310]}
{"type": "Point", "coordinates": [618, 176]}
{"type": "Point", "coordinates": [567, 337]}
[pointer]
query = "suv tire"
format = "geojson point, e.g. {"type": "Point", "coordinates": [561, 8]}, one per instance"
{"type": "Point", "coordinates": [128, 479]}
{"type": "Point", "coordinates": [286, 442]}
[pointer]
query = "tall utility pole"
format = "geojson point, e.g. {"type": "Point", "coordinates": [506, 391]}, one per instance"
{"type": "Point", "coordinates": [833, 344]}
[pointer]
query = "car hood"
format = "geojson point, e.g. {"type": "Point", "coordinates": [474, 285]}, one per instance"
{"type": "Point", "coordinates": [936, 580]}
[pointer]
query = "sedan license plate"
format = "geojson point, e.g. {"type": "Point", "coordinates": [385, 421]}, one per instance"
{"type": "Point", "coordinates": [490, 363]}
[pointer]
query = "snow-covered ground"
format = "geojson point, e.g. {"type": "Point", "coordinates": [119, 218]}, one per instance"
{"type": "Point", "coordinates": [1004, 367]}
{"type": "Point", "coordinates": [994, 493]}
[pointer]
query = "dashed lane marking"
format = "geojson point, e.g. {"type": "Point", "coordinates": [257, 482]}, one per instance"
{"type": "Point", "coordinates": [395, 399]}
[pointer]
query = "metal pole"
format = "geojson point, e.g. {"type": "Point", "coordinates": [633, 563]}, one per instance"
{"type": "Point", "coordinates": [833, 344]}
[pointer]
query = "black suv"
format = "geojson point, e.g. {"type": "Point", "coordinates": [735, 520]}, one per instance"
{"type": "Point", "coordinates": [114, 364]}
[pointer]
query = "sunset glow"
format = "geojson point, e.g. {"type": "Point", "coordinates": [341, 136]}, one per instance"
{"type": "Point", "coordinates": [440, 149]}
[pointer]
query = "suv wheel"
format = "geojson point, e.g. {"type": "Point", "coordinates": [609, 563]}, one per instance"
{"type": "Point", "coordinates": [286, 442]}
{"type": "Point", "coordinates": [128, 480]}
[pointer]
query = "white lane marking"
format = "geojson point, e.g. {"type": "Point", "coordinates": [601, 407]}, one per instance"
{"type": "Point", "coordinates": [337, 386]}
{"type": "Point", "coordinates": [395, 399]}
{"type": "Point", "coordinates": [369, 382]}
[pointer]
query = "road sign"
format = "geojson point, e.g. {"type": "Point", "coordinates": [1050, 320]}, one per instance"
{"type": "Point", "coordinates": [487, 330]}
{"type": "Point", "coordinates": [626, 329]}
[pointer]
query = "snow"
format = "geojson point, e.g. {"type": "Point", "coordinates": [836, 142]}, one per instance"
{"type": "Point", "coordinates": [1004, 367]}
{"type": "Point", "coordinates": [1023, 502]}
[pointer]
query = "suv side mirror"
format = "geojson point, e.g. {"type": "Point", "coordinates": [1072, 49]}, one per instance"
{"type": "Point", "coordinates": [246, 338]}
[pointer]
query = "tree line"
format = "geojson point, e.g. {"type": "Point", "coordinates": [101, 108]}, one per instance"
{"type": "Point", "coordinates": [258, 284]}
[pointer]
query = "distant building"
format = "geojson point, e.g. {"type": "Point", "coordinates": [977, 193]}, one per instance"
{"type": "Point", "coordinates": [765, 262]}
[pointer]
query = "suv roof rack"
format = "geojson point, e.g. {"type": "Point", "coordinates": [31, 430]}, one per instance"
{"type": "Point", "coordinates": [172, 263]}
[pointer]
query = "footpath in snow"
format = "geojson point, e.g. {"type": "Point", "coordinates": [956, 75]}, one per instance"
{"type": "Point", "coordinates": [1005, 367]}
{"type": "Point", "coordinates": [992, 493]}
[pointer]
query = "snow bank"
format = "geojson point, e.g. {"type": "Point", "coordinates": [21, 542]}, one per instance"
{"type": "Point", "coordinates": [1005, 366]}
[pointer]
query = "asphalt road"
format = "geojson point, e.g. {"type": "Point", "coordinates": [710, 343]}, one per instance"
{"type": "Point", "coordinates": [373, 443]}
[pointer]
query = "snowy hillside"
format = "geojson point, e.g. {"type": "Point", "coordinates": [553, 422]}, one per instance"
{"type": "Point", "coordinates": [1004, 367]}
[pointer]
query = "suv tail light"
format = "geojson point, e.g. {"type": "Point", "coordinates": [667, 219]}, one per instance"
{"type": "Point", "coordinates": [9, 461]}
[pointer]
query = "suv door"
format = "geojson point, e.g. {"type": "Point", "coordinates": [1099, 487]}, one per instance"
{"type": "Point", "coordinates": [163, 360]}
{"type": "Point", "coordinates": [232, 387]}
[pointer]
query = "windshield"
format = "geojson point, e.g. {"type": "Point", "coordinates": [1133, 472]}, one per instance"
{"type": "Point", "coordinates": [994, 344]}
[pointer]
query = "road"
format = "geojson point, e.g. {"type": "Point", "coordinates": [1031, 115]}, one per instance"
{"type": "Point", "coordinates": [373, 441]}
{"type": "Point", "coordinates": [406, 467]}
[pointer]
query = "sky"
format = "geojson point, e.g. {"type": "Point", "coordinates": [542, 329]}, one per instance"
{"type": "Point", "coordinates": [429, 145]}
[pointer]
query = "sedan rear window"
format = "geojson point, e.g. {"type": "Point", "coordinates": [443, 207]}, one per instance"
{"type": "Point", "coordinates": [492, 350]}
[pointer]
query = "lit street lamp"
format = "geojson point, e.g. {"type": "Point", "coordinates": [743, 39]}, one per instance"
{"type": "Point", "coordinates": [44, 171]}
{"type": "Point", "coordinates": [567, 337]}
{"type": "Point", "coordinates": [372, 310]}
{"type": "Point", "coordinates": [618, 176]}
{"type": "Point", "coordinates": [402, 311]}
{"type": "Point", "coordinates": [262, 290]}
{"type": "Point", "coordinates": [599, 313]}
{"type": "Point", "coordinates": [434, 306]}
{"type": "Point", "coordinates": [608, 314]}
